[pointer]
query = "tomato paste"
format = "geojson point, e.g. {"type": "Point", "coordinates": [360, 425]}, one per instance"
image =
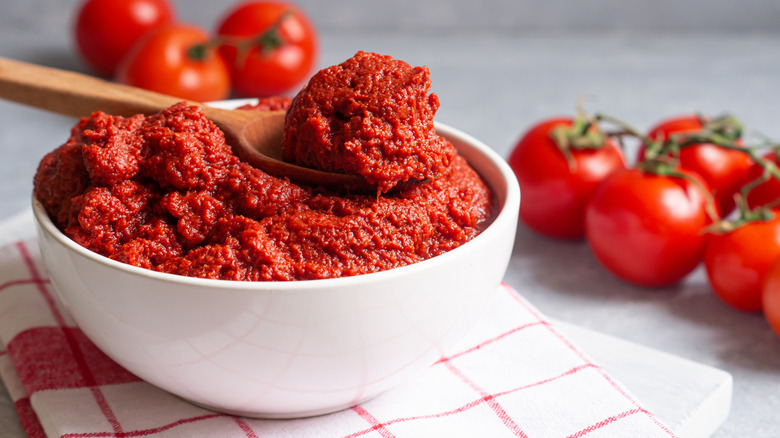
{"type": "Point", "coordinates": [165, 191]}
{"type": "Point", "coordinates": [372, 116]}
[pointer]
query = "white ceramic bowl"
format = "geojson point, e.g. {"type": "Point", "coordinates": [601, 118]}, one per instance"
{"type": "Point", "coordinates": [287, 349]}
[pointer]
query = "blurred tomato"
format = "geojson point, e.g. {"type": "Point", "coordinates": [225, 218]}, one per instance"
{"type": "Point", "coordinates": [766, 193]}
{"type": "Point", "coordinates": [106, 30]}
{"type": "Point", "coordinates": [724, 170]}
{"type": "Point", "coordinates": [555, 189]}
{"type": "Point", "coordinates": [270, 46]}
{"type": "Point", "coordinates": [176, 60]}
{"type": "Point", "coordinates": [737, 262]}
{"type": "Point", "coordinates": [647, 228]}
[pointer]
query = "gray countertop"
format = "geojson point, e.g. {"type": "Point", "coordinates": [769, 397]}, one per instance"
{"type": "Point", "coordinates": [493, 86]}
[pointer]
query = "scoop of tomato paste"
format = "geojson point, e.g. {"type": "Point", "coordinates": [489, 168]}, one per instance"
{"type": "Point", "coordinates": [371, 115]}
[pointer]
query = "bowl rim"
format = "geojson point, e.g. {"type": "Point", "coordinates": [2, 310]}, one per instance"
{"type": "Point", "coordinates": [507, 213]}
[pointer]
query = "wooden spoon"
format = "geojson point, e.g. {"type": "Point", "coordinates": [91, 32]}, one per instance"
{"type": "Point", "coordinates": [255, 136]}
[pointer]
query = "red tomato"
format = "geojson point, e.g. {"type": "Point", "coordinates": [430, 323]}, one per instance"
{"type": "Point", "coordinates": [770, 296]}
{"type": "Point", "coordinates": [647, 229]}
{"type": "Point", "coordinates": [767, 192]}
{"type": "Point", "coordinates": [555, 195]}
{"type": "Point", "coordinates": [283, 54]}
{"type": "Point", "coordinates": [738, 261]}
{"type": "Point", "coordinates": [724, 170]}
{"type": "Point", "coordinates": [162, 62]}
{"type": "Point", "coordinates": [106, 30]}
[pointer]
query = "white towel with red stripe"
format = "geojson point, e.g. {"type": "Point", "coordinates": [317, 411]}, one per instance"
{"type": "Point", "coordinates": [514, 375]}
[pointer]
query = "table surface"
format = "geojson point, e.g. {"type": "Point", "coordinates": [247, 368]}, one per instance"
{"type": "Point", "coordinates": [494, 87]}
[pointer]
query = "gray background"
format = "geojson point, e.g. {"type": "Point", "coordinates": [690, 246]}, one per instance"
{"type": "Point", "coordinates": [455, 17]}
{"type": "Point", "coordinates": [499, 66]}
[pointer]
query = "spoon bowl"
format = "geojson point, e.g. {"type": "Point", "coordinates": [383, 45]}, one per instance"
{"type": "Point", "coordinates": [255, 136]}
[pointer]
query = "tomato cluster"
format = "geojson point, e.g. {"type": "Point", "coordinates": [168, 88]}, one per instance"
{"type": "Point", "coordinates": [695, 193]}
{"type": "Point", "coordinates": [259, 48]}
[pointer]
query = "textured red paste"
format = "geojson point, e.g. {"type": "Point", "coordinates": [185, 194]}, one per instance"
{"type": "Point", "coordinates": [165, 192]}
{"type": "Point", "coordinates": [371, 116]}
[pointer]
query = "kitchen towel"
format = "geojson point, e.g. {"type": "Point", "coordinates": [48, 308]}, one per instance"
{"type": "Point", "coordinates": [515, 375]}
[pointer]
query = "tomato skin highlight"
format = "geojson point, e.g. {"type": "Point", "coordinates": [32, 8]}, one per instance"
{"type": "Point", "coordinates": [768, 192]}
{"type": "Point", "coordinates": [770, 296]}
{"type": "Point", "coordinates": [106, 30]}
{"type": "Point", "coordinates": [647, 229]}
{"type": "Point", "coordinates": [259, 74]}
{"type": "Point", "coordinates": [725, 171]}
{"type": "Point", "coordinates": [160, 62]}
{"type": "Point", "coordinates": [554, 196]}
{"type": "Point", "coordinates": [737, 262]}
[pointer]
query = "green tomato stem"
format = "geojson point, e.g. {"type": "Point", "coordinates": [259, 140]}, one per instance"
{"type": "Point", "coordinates": [579, 136]}
{"type": "Point", "coordinates": [267, 41]}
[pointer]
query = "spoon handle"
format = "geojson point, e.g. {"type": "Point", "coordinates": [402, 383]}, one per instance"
{"type": "Point", "coordinates": [74, 94]}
